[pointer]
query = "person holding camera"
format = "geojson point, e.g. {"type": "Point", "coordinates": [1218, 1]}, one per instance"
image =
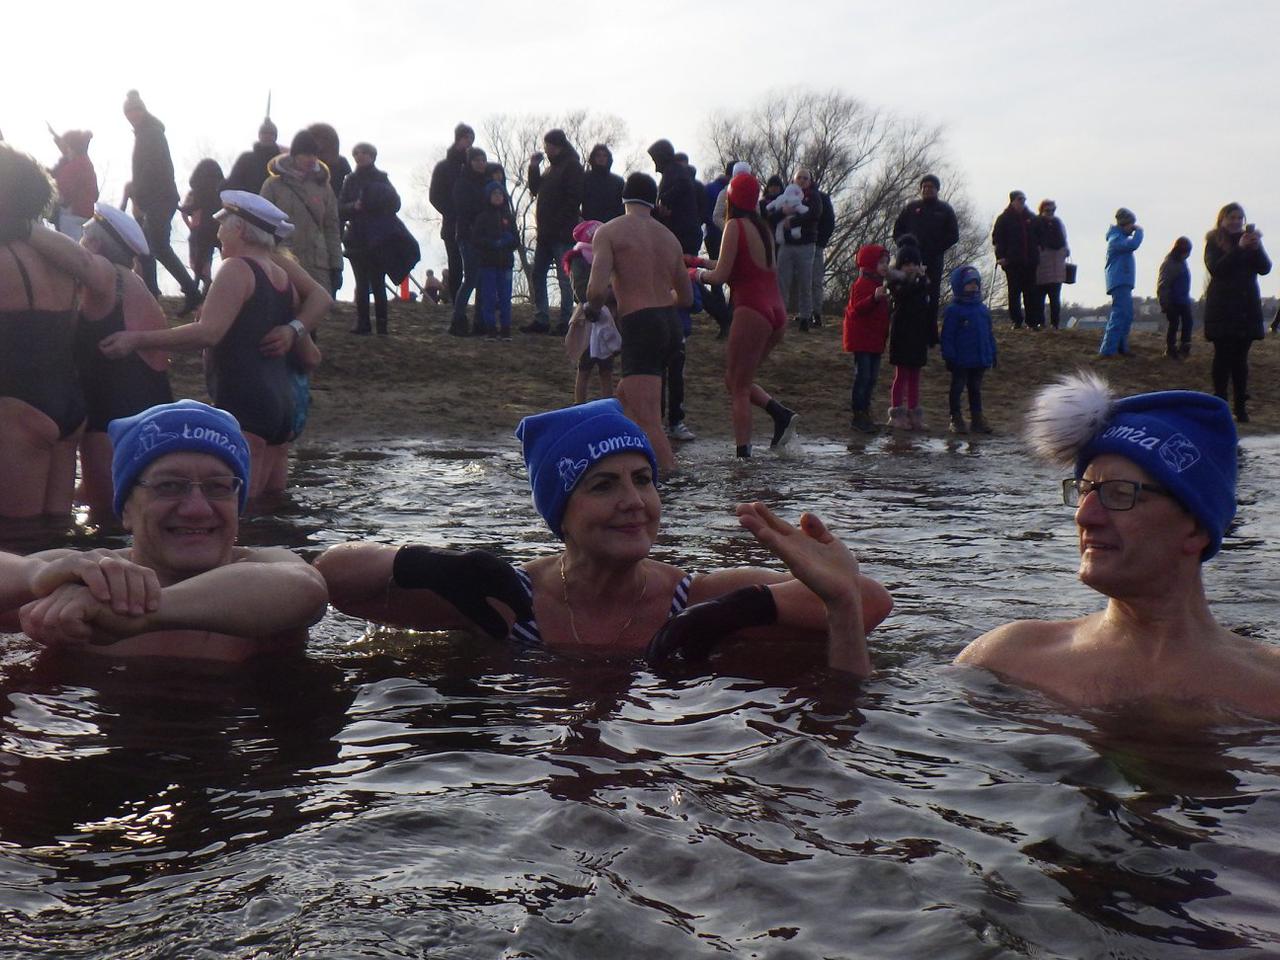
{"type": "Point", "coordinates": [1235, 259]}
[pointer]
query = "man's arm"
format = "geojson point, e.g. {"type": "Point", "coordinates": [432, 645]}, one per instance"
{"type": "Point", "coordinates": [601, 269]}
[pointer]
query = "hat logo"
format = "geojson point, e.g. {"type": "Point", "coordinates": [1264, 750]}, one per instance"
{"type": "Point", "coordinates": [570, 471]}
{"type": "Point", "coordinates": [1179, 453]}
{"type": "Point", "coordinates": [151, 437]}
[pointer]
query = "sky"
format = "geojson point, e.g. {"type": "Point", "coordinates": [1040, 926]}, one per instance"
{"type": "Point", "coordinates": [1167, 108]}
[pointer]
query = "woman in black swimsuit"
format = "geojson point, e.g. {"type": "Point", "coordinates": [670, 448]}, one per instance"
{"type": "Point", "coordinates": [41, 407]}
{"type": "Point", "coordinates": [593, 477]}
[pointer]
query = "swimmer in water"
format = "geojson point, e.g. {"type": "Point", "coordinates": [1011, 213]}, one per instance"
{"type": "Point", "coordinates": [183, 589]}
{"type": "Point", "coordinates": [594, 479]}
{"type": "Point", "coordinates": [1154, 487]}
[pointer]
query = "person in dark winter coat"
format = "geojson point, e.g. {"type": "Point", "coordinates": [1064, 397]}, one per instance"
{"type": "Point", "coordinates": [155, 200]}
{"type": "Point", "coordinates": [1235, 259]}
{"type": "Point", "coordinates": [468, 201]}
{"type": "Point", "coordinates": [494, 240]}
{"type": "Point", "coordinates": [968, 346]}
{"type": "Point", "coordinates": [1051, 267]}
{"type": "Point", "coordinates": [1173, 293]}
{"type": "Point", "coordinates": [601, 188]}
{"type": "Point", "coordinates": [822, 236]}
{"type": "Point", "coordinates": [197, 209]}
{"type": "Point", "coordinates": [912, 331]}
{"type": "Point", "coordinates": [679, 208]}
{"type": "Point", "coordinates": [713, 299]}
{"type": "Point", "coordinates": [1017, 254]}
{"type": "Point", "coordinates": [559, 193]}
{"type": "Point", "coordinates": [331, 155]}
{"type": "Point", "coordinates": [440, 193]}
{"type": "Point", "coordinates": [368, 207]}
{"type": "Point", "coordinates": [249, 172]}
{"type": "Point", "coordinates": [933, 223]}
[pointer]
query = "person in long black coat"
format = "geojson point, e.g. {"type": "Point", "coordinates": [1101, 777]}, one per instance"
{"type": "Point", "coordinates": [1235, 259]}
{"type": "Point", "coordinates": [368, 206]}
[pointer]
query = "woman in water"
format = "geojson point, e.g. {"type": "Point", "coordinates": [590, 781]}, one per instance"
{"type": "Point", "coordinates": [759, 317]}
{"type": "Point", "coordinates": [593, 474]}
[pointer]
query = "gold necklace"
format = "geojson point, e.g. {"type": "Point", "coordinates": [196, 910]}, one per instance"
{"type": "Point", "coordinates": [573, 623]}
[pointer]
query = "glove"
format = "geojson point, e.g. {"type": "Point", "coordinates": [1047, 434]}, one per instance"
{"type": "Point", "coordinates": [467, 580]}
{"type": "Point", "coordinates": [695, 631]}
{"type": "Point", "coordinates": [335, 281]}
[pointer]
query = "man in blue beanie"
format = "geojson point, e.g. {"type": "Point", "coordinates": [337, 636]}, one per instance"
{"type": "Point", "coordinates": [1154, 487]}
{"type": "Point", "coordinates": [183, 588]}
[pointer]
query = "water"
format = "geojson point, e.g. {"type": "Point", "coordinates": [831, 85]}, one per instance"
{"type": "Point", "coordinates": [413, 795]}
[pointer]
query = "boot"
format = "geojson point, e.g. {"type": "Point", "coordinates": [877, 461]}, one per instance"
{"type": "Point", "coordinates": [980, 424]}
{"type": "Point", "coordinates": [381, 323]}
{"type": "Point", "coordinates": [958, 425]}
{"type": "Point", "coordinates": [804, 323]}
{"type": "Point", "coordinates": [862, 421]}
{"type": "Point", "coordinates": [898, 419]}
{"type": "Point", "coordinates": [1185, 350]}
{"type": "Point", "coordinates": [1242, 415]}
{"type": "Point", "coordinates": [916, 418]}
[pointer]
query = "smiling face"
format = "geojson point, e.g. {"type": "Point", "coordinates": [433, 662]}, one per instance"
{"type": "Point", "coordinates": [614, 510]}
{"type": "Point", "coordinates": [181, 538]}
{"type": "Point", "coordinates": [1130, 553]}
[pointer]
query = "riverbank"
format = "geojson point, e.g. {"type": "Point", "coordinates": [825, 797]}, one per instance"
{"type": "Point", "coordinates": [419, 382]}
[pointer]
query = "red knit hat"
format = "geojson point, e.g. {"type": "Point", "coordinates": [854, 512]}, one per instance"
{"type": "Point", "coordinates": [744, 191]}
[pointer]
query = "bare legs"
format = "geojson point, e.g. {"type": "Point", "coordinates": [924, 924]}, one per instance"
{"type": "Point", "coordinates": [750, 341]}
{"type": "Point", "coordinates": [37, 469]}
{"type": "Point", "coordinates": [641, 399]}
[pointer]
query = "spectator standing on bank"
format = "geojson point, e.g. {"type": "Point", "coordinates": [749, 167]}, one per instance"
{"type": "Point", "coordinates": [249, 172]}
{"type": "Point", "coordinates": [1235, 259]}
{"type": "Point", "coordinates": [558, 190]}
{"type": "Point", "coordinates": [155, 200]}
{"type": "Point", "coordinates": [368, 207]}
{"type": "Point", "coordinates": [825, 228]}
{"type": "Point", "coordinates": [968, 347]}
{"type": "Point", "coordinates": [1051, 267]}
{"type": "Point", "coordinates": [202, 201]}
{"type": "Point", "coordinates": [493, 242]}
{"type": "Point", "coordinates": [866, 329]}
{"type": "Point", "coordinates": [76, 180]}
{"type": "Point", "coordinates": [795, 255]}
{"type": "Point", "coordinates": [601, 187]}
{"type": "Point", "coordinates": [1123, 237]}
{"type": "Point", "coordinates": [331, 155]}
{"type": "Point", "coordinates": [1018, 255]}
{"type": "Point", "coordinates": [298, 184]}
{"type": "Point", "coordinates": [468, 201]}
{"type": "Point", "coordinates": [713, 300]}
{"type": "Point", "coordinates": [1173, 293]}
{"type": "Point", "coordinates": [933, 223]}
{"type": "Point", "coordinates": [443, 176]}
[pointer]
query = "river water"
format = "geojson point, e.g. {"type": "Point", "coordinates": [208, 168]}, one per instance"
{"type": "Point", "coordinates": [423, 795]}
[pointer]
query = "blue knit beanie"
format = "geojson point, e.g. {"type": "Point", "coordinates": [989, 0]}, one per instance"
{"type": "Point", "coordinates": [186, 426]}
{"type": "Point", "coordinates": [561, 445]}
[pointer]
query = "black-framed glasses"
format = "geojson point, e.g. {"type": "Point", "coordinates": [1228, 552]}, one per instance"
{"type": "Point", "coordinates": [179, 488]}
{"type": "Point", "coordinates": [1112, 494]}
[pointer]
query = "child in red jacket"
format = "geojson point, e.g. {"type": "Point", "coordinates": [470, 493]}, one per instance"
{"type": "Point", "coordinates": [866, 328]}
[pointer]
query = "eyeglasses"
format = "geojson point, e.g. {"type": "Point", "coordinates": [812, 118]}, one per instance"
{"type": "Point", "coordinates": [1112, 494]}
{"type": "Point", "coordinates": [179, 488]}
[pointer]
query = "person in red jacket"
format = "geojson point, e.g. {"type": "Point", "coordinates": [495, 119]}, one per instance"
{"type": "Point", "coordinates": [77, 182]}
{"type": "Point", "coordinates": [866, 328]}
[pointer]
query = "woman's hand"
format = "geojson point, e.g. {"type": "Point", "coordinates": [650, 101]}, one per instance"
{"type": "Point", "coordinates": [117, 346]}
{"type": "Point", "coordinates": [814, 555]}
{"type": "Point", "coordinates": [278, 341]}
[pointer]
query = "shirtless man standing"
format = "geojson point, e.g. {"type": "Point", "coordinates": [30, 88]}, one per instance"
{"type": "Point", "coordinates": [183, 589]}
{"type": "Point", "coordinates": [1154, 490]}
{"type": "Point", "coordinates": [643, 261]}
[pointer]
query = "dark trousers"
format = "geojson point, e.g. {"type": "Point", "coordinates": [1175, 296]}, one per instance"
{"type": "Point", "coordinates": [1053, 291]}
{"type": "Point", "coordinates": [673, 382]}
{"type": "Point", "coordinates": [1179, 317]}
{"type": "Point", "coordinates": [866, 369]}
{"type": "Point", "coordinates": [369, 279]}
{"type": "Point", "coordinates": [1022, 291]}
{"type": "Point", "coordinates": [156, 225]}
{"type": "Point", "coordinates": [962, 379]}
{"type": "Point", "coordinates": [933, 267]}
{"type": "Point", "coordinates": [465, 289]}
{"type": "Point", "coordinates": [453, 255]}
{"type": "Point", "coordinates": [1231, 366]}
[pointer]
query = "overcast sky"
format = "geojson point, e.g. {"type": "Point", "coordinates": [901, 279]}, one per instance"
{"type": "Point", "coordinates": [1168, 108]}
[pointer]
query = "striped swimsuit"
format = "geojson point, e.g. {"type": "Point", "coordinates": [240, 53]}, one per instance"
{"type": "Point", "coordinates": [526, 632]}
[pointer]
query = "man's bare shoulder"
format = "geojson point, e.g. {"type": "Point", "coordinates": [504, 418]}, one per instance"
{"type": "Point", "coordinates": [265, 555]}
{"type": "Point", "coordinates": [1021, 643]}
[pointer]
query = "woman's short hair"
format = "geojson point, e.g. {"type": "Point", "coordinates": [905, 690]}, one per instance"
{"type": "Point", "coordinates": [26, 191]}
{"type": "Point", "coordinates": [107, 245]}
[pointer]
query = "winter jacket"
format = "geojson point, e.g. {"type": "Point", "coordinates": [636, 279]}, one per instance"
{"type": "Point", "coordinates": [826, 225]}
{"type": "Point", "coordinates": [369, 227]}
{"type": "Point", "coordinates": [443, 176]}
{"type": "Point", "coordinates": [249, 172]}
{"type": "Point", "coordinates": [1120, 269]}
{"type": "Point", "coordinates": [866, 319]}
{"type": "Point", "coordinates": [468, 201]}
{"type": "Point", "coordinates": [1173, 285]}
{"type": "Point", "coordinates": [1014, 238]}
{"type": "Point", "coordinates": [305, 196]}
{"type": "Point", "coordinates": [153, 188]}
{"type": "Point", "coordinates": [932, 223]}
{"type": "Point", "coordinates": [1232, 303]}
{"type": "Point", "coordinates": [680, 208]}
{"type": "Point", "coordinates": [601, 190]}
{"type": "Point", "coordinates": [1051, 238]}
{"type": "Point", "coordinates": [968, 342]}
{"type": "Point", "coordinates": [77, 184]}
{"type": "Point", "coordinates": [913, 323]}
{"type": "Point", "coordinates": [559, 193]}
{"type": "Point", "coordinates": [493, 236]}
{"type": "Point", "coordinates": [806, 223]}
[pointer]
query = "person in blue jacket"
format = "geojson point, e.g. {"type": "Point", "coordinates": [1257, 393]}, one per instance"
{"type": "Point", "coordinates": [968, 346]}
{"type": "Point", "coordinates": [1124, 237]}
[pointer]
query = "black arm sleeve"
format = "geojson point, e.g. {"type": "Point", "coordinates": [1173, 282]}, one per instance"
{"type": "Point", "coordinates": [467, 580]}
{"type": "Point", "coordinates": [695, 631]}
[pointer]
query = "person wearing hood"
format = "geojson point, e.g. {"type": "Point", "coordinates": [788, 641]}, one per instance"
{"type": "Point", "coordinates": [1123, 237]}
{"type": "Point", "coordinates": [678, 205]}
{"type": "Point", "coordinates": [558, 190]}
{"type": "Point", "coordinates": [331, 155]}
{"type": "Point", "coordinates": [298, 183]}
{"type": "Point", "coordinates": [866, 328]}
{"type": "Point", "coordinates": [154, 193]}
{"type": "Point", "coordinates": [601, 187]}
{"type": "Point", "coordinates": [76, 180]}
{"type": "Point", "coordinates": [968, 346]}
{"type": "Point", "coordinates": [468, 201]}
{"type": "Point", "coordinates": [443, 176]}
{"type": "Point", "coordinates": [249, 172]}
{"type": "Point", "coordinates": [493, 241]}
{"type": "Point", "coordinates": [368, 205]}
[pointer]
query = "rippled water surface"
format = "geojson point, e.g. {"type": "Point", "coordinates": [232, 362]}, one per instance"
{"type": "Point", "coordinates": [415, 795]}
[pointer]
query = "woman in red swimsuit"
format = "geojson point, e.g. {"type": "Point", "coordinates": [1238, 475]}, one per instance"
{"type": "Point", "coordinates": [759, 317]}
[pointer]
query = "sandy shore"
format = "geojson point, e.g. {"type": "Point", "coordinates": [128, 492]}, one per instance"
{"type": "Point", "coordinates": [419, 382]}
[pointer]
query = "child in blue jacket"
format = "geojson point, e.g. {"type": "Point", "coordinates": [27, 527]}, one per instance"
{"type": "Point", "coordinates": [968, 346]}
{"type": "Point", "coordinates": [1123, 237]}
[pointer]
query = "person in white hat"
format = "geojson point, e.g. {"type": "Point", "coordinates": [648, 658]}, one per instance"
{"type": "Point", "coordinates": [261, 306]}
{"type": "Point", "coordinates": [112, 298]}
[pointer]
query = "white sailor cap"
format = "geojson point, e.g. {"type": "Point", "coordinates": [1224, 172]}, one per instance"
{"type": "Point", "coordinates": [123, 228]}
{"type": "Point", "coordinates": [259, 211]}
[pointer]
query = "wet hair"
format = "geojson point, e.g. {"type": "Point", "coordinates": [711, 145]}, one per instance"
{"type": "Point", "coordinates": [26, 192]}
{"type": "Point", "coordinates": [1181, 248]}
{"type": "Point", "coordinates": [107, 245]}
{"type": "Point", "coordinates": [326, 139]}
{"type": "Point", "coordinates": [1219, 233]}
{"type": "Point", "coordinates": [734, 212]}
